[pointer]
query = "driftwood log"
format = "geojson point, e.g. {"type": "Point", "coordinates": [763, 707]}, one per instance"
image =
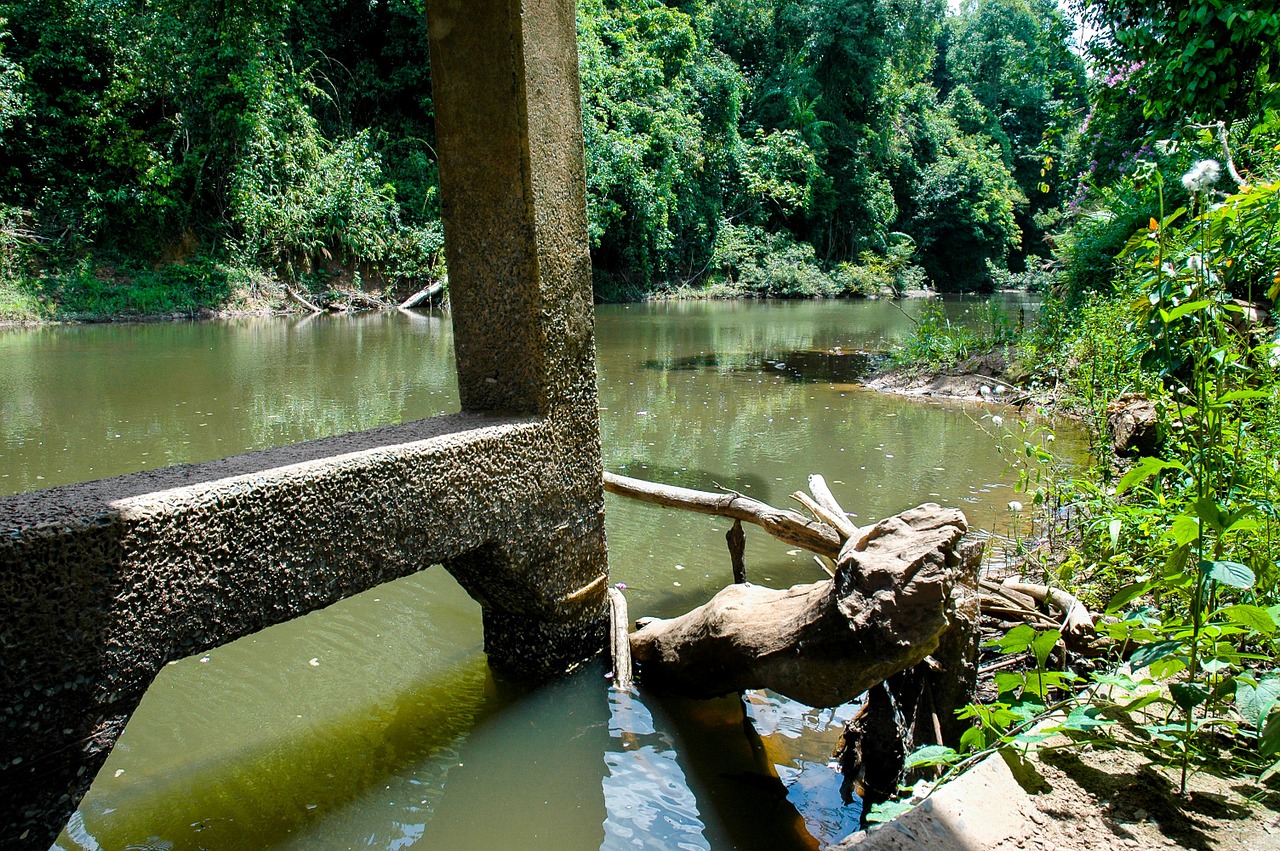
{"type": "Point", "coordinates": [427, 292]}
{"type": "Point", "coordinates": [824, 643]}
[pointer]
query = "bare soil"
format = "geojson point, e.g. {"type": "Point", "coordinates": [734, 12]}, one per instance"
{"type": "Point", "coordinates": [1116, 799]}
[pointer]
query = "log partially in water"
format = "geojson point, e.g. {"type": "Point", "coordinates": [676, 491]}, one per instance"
{"type": "Point", "coordinates": [422, 295]}
{"type": "Point", "coordinates": [823, 643]}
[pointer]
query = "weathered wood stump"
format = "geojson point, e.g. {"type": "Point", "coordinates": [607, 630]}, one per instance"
{"type": "Point", "coordinates": [891, 599]}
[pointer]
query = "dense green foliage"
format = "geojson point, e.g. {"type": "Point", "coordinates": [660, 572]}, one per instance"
{"type": "Point", "coordinates": [1167, 270]}
{"type": "Point", "coordinates": [764, 147]}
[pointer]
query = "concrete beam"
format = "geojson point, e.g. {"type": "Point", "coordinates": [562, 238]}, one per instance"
{"type": "Point", "coordinates": [103, 583]}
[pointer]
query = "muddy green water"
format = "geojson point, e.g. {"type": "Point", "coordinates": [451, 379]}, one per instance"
{"type": "Point", "coordinates": [375, 723]}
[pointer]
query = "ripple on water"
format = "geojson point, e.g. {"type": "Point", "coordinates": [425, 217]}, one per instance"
{"type": "Point", "coordinates": [647, 799]}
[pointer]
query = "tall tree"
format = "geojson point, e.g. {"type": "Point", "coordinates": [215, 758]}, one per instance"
{"type": "Point", "coordinates": [1016, 58]}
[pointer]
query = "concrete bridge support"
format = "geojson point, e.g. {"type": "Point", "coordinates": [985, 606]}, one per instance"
{"type": "Point", "coordinates": [103, 583]}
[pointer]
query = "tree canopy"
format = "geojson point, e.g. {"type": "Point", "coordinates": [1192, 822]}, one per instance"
{"type": "Point", "coordinates": [297, 137]}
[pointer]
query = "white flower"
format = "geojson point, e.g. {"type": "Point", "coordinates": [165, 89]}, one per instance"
{"type": "Point", "coordinates": [1015, 506]}
{"type": "Point", "coordinates": [997, 421]}
{"type": "Point", "coordinates": [1203, 175]}
{"type": "Point", "coordinates": [1195, 263]}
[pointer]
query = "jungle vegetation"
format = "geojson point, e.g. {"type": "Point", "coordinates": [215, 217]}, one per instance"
{"type": "Point", "coordinates": [1161, 291]}
{"type": "Point", "coordinates": [160, 156]}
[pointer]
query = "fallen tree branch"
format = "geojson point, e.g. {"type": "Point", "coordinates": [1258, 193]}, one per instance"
{"type": "Point", "coordinates": [788, 526]}
{"type": "Point", "coordinates": [422, 295]}
{"type": "Point", "coordinates": [1077, 621]}
{"type": "Point", "coordinates": [826, 642]}
{"type": "Point", "coordinates": [838, 517]}
{"type": "Point", "coordinates": [293, 294]}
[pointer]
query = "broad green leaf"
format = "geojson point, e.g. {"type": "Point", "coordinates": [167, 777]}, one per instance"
{"type": "Point", "coordinates": [930, 755]}
{"type": "Point", "coordinates": [1207, 509]}
{"type": "Point", "coordinates": [1009, 681]}
{"type": "Point", "coordinates": [1188, 695]}
{"type": "Point", "coordinates": [973, 739]}
{"type": "Point", "coordinates": [1237, 395]}
{"type": "Point", "coordinates": [1231, 573]}
{"type": "Point", "coordinates": [1183, 530]}
{"type": "Point", "coordinates": [1015, 640]}
{"type": "Point", "coordinates": [1216, 665]}
{"type": "Point", "coordinates": [888, 811]}
{"type": "Point", "coordinates": [1113, 530]}
{"type": "Point", "coordinates": [1183, 309]}
{"type": "Point", "coordinates": [1151, 653]}
{"type": "Point", "coordinates": [1128, 593]}
{"type": "Point", "coordinates": [1042, 645]}
{"type": "Point", "coordinates": [1269, 739]}
{"type": "Point", "coordinates": [1144, 469]}
{"type": "Point", "coordinates": [1085, 718]}
{"type": "Point", "coordinates": [1255, 617]}
{"type": "Point", "coordinates": [1255, 701]}
{"type": "Point", "coordinates": [1168, 667]}
{"type": "Point", "coordinates": [1243, 524]}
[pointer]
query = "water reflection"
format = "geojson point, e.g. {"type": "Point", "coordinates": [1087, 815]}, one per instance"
{"type": "Point", "coordinates": [85, 402]}
{"type": "Point", "coordinates": [398, 737]}
{"type": "Point", "coordinates": [800, 741]}
{"type": "Point", "coordinates": [646, 795]}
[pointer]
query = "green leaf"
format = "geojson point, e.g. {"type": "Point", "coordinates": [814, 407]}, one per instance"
{"type": "Point", "coordinates": [1240, 521]}
{"type": "Point", "coordinates": [930, 755]}
{"type": "Point", "coordinates": [1085, 718]}
{"type": "Point", "coordinates": [1168, 667]}
{"type": "Point", "coordinates": [1113, 530]}
{"type": "Point", "coordinates": [1144, 469]}
{"type": "Point", "coordinates": [888, 811]}
{"type": "Point", "coordinates": [973, 739]}
{"type": "Point", "coordinates": [1255, 701]}
{"type": "Point", "coordinates": [1255, 617]}
{"type": "Point", "coordinates": [1207, 509]}
{"type": "Point", "coordinates": [1151, 653]}
{"type": "Point", "coordinates": [1184, 530]}
{"type": "Point", "coordinates": [1231, 573]}
{"type": "Point", "coordinates": [1270, 772]}
{"type": "Point", "coordinates": [1237, 395]}
{"type": "Point", "coordinates": [1127, 594]}
{"type": "Point", "coordinates": [1043, 645]}
{"type": "Point", "coordinates": [1015, 640]}
{"type": "Point", "coordinates": [1183, 309]}
{"type": "Point", "coordinates": [1188, 695]}
{"type": "Point", "coordinates": [1009, 681]}
{"type": "Point", "coordinates": [1269, 738]}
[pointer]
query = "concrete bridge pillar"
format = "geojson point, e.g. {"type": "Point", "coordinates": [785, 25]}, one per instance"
{"type": "Point", "coordinates": [513, 189]}
{"type": "Point", "coordinates": [104, 582]}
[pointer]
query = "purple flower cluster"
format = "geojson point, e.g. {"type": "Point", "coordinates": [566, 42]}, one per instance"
{"type": "Point", "coordinates": [1120, 75]}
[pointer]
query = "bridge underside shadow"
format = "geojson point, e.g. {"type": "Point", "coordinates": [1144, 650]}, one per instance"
{"type": "Point", "coordinates": [103, 583]}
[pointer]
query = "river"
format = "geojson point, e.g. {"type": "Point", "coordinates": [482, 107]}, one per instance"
{"type": "Point", "coordinates": [375, 723]}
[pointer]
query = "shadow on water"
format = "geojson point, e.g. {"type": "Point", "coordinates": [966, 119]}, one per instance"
{"type": "Point", "coordinates": [829, 366]}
